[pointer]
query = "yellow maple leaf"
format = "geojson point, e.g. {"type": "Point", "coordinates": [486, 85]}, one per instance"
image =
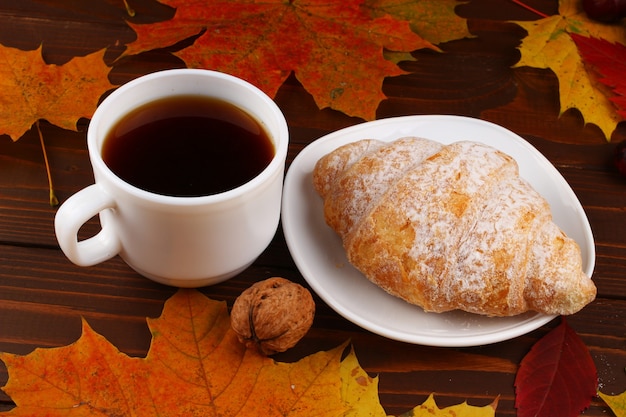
{"type": "Point", "coordinates": [31, 90]}
{"type": "Point", "coordinates": [359, 390]}
{"type": "Point", "coordinates": [430, 409]}
{"type": "Point", "coordinates": [616, 402]}
{"type": "Point", "coordinates": [549, 45]}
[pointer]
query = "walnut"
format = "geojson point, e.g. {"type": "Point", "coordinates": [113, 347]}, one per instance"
{"type": "Point", "coordinates": [273, 315]}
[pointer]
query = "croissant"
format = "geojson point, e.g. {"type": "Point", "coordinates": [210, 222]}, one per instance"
{"type": "Point", "coordinates": [450, 227]}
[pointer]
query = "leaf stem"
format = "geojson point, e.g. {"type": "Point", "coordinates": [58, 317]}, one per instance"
{"type": "Point", "coordinates": [527, 7]}
{"type": "Point", "coordinates": [129, 10]}
{"type": "Point", "coordinates": [53, 198]}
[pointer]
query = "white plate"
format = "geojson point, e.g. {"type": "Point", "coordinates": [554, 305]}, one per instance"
{"type": "Point", "coordinates": [319, 254]}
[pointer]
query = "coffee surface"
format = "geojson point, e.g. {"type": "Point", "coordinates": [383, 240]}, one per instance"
{"type": "Point", "coordinates": [187, 146]}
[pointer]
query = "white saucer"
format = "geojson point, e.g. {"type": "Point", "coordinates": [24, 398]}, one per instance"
{"type": "Point", "coordinates": [319, 255]}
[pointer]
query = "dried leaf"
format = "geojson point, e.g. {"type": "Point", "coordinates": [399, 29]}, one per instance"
{"type": "Point", "coordinates": [195, 366]}
{"type": "Point", "coordinates": [549, 45]}
{"type": "Point", "coordinates": [335, 49]}
{"type": "Point", "coordinates": [429, 409]}
{"type": "Point", "coordinates": [616, 402]}
{"type": "Point", "coordinates": [31, 90]}
{"type": "Point", "coordinates": [608, 61]}
{"type": "Point", "coordinates": [557, 377]}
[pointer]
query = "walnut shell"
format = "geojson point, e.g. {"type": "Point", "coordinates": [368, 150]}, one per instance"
{"type": "Point", "coordinates": [273, 315]}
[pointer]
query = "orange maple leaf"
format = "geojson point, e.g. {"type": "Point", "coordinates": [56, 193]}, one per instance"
{"type": "Point", "coordinates": [195, 366]}
{"type": "Point", "coordinates": [335, 49]}
{"type": "Point", "coordinates": [31, 90]}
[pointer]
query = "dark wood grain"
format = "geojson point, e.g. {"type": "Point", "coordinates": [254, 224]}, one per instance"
{"type": "Point", "coordinates": [43, 296]}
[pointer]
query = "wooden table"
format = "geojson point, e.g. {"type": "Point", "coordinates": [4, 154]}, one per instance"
{"type": "Point", "coordinates": [43, 296]}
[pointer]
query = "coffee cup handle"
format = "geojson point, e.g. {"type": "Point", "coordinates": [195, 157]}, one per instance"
{"type": "Point", "coordinates": [73, 214]}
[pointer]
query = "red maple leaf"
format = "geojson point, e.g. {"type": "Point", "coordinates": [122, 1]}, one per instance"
{"type": "Point", "coordinates": [608, 61]}
{"type": "Point", "coordinates": [334, 48]}
{"type": "Point", "coordinates": [557, 377]}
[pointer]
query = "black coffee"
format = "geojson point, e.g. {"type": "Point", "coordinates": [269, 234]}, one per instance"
{"type": "Point", "coordinates": [187, 146]}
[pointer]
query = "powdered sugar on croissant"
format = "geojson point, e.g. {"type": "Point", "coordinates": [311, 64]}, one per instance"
{"type": "Point", "coordinates": [450, 227]}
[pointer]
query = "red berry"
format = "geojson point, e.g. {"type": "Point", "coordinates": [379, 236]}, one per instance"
{"type": "Point", "coordinates": [605, 10]}
{"type": "Point", "coordinates": [619, 157]}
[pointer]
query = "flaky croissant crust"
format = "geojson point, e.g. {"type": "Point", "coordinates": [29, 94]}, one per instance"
{"type": "Point", "coordinates": [450, 227]}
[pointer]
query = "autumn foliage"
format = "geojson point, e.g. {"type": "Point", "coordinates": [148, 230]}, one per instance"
{"type": "Point", "coordinates": [607, 61]}
{"type": "Point", "coordinates": [339, 53]}
{"type": "Point", "coordinates": [335, 48]}
{"type": "Point", "coordinates": [31, 90]}
{"type": "Point", "coordinates": [195, 367]}
{"type": "Point", "coordinates": [549, 45]}
{"type": "Point", "coordinates": [557, 377]}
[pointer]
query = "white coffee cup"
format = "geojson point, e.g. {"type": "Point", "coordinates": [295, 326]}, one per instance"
{"type": "Point", "coordinates": [178, 241]}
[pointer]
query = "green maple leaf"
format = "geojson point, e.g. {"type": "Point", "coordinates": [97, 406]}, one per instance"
{"type": "Point", "coordinates": [434, 20]}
